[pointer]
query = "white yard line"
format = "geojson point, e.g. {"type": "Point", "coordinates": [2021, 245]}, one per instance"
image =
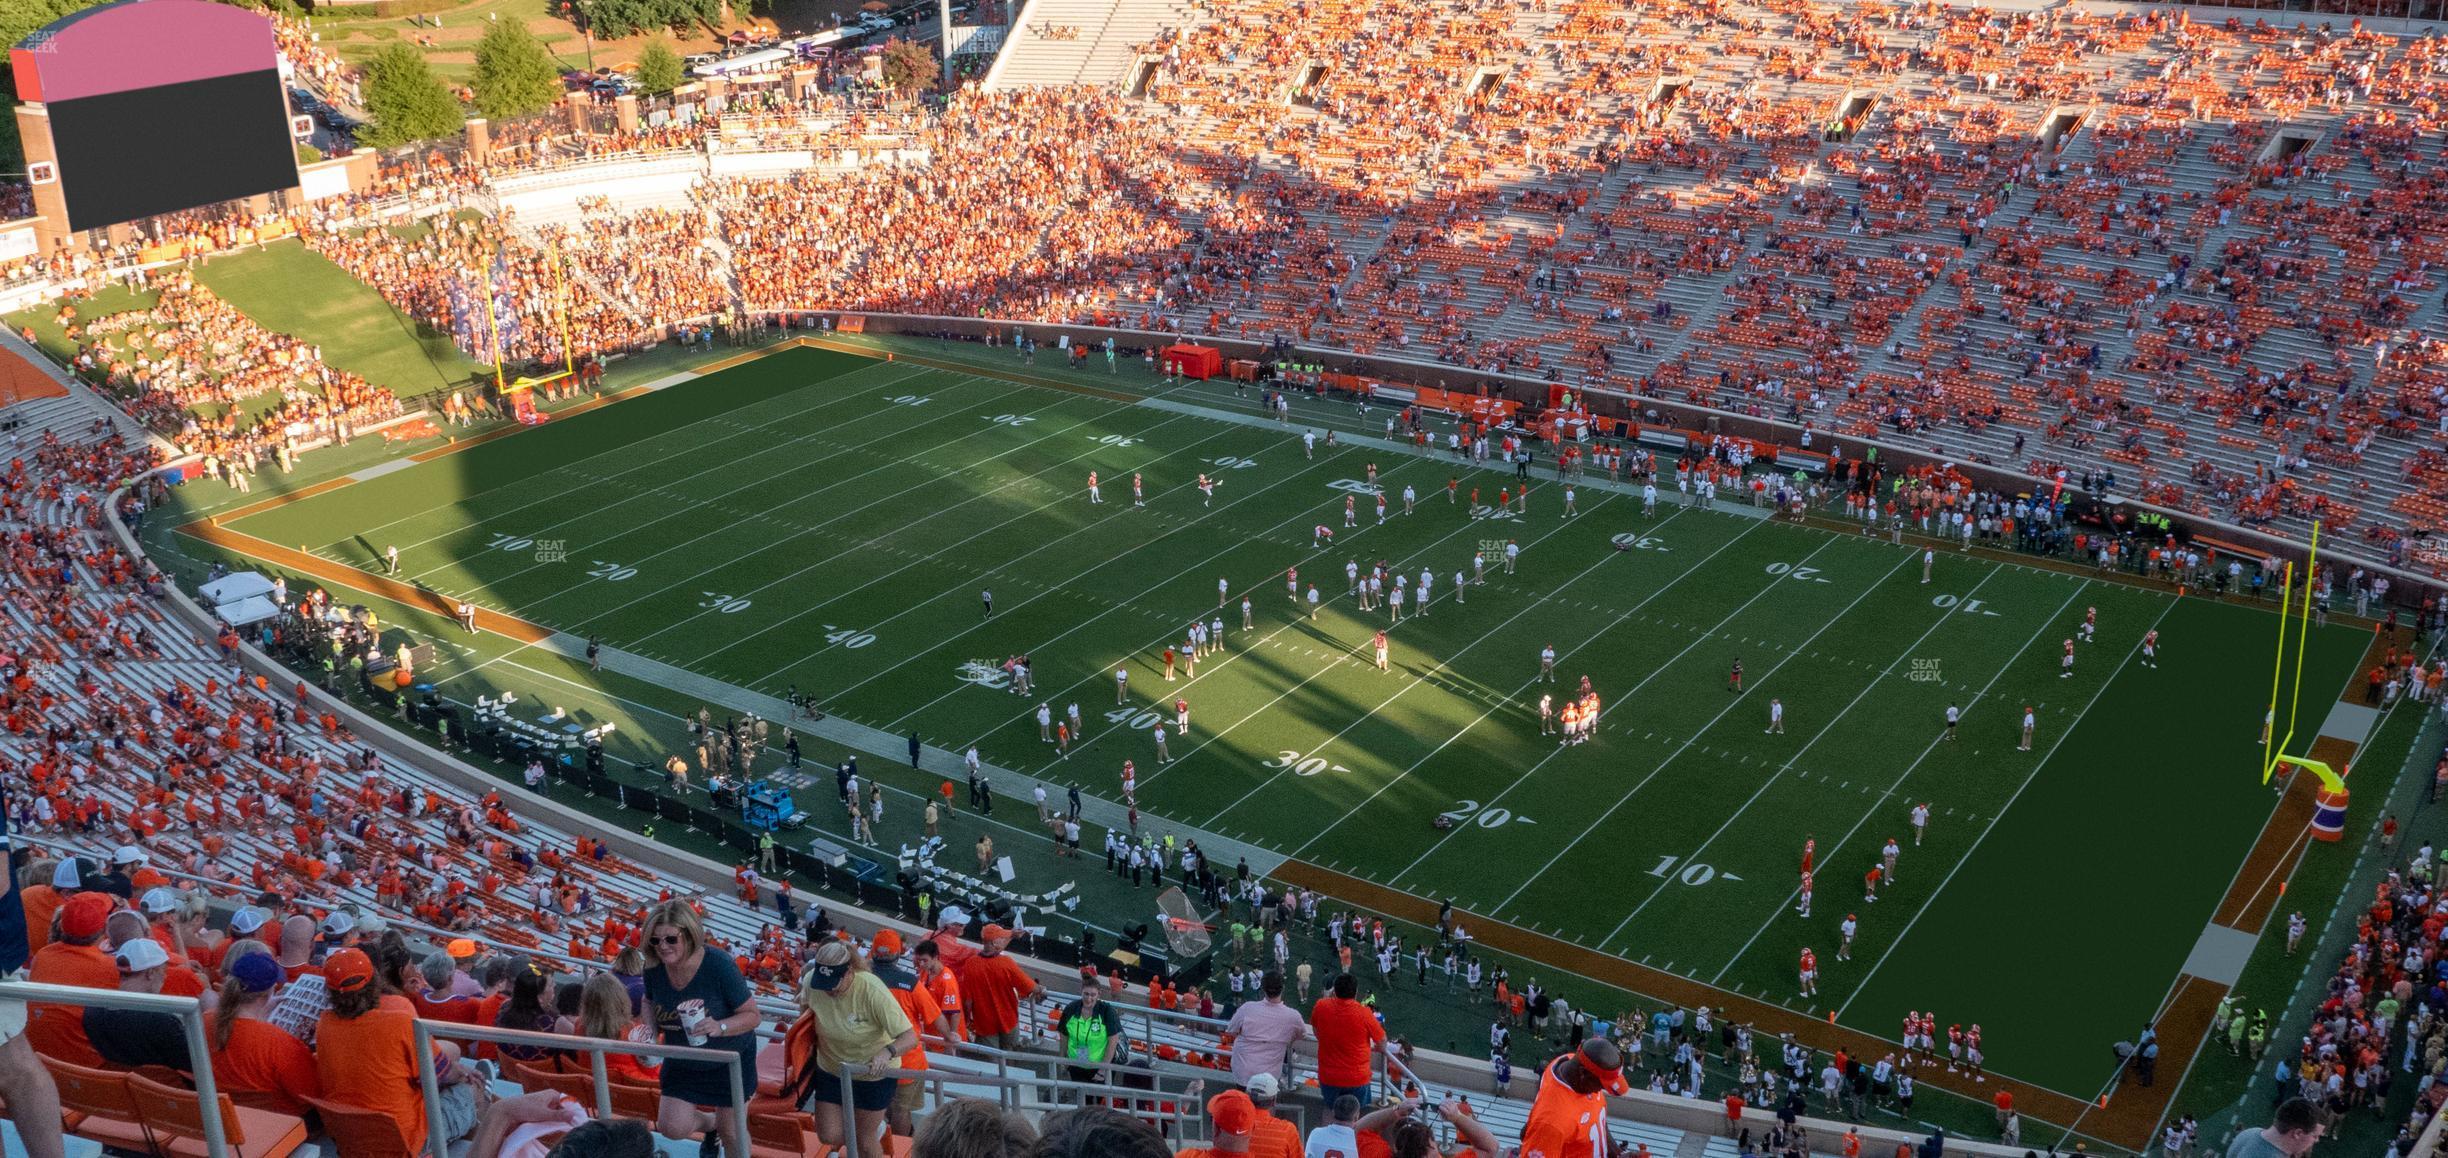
{"type": "Point", "coordinates": [1867, 687]}
{"type": "Point", "coordinates": [1306, 516]}
{"type": "Point", "coordinates": [718, 526]}
{"type": "Point", "coordinates": [1527, 607]}
{"type": "Point", "coordinates": [854, 511]}
{"type": "Point", "coordinates": [1033, 512]}
{"type": "Point", "coordinates": [630, 447]}
{"type": "Point", "coordinates": [1974, 847]}
{"type": "Point", "coordinates": [1778, 913]}
{"type": "Point", "coordinates": [1731, 704]}
{"type": "Point", "coordinates": [1051, 588]}
{"type": "Point", "coordinates": [1416, 765]}
{"type": "Point", "coordinates": [1296, 620]}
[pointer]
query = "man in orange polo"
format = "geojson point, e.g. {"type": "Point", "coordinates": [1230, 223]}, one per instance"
{"type": "Point", "coordinates": [1274, 1137]}
{"type": "Point", "coordinates": [1569, 1118]}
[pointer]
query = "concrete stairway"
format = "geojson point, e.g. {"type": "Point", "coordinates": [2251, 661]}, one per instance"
{"type": "Point", "coordinates": [1088, 42]}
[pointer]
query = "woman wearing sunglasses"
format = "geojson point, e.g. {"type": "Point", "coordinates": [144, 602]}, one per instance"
{"type": "Point", "coordinates": [697, 998]}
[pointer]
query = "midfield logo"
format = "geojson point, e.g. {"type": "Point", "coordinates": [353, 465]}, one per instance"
{"type": "Point", "coordinates": [984, 673]}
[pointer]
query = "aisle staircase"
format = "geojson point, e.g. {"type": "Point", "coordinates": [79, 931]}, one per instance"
{"type": "Point", "coordinates": [1088, 42]}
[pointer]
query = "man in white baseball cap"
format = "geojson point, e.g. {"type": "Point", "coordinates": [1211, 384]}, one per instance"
{"type": "Point", "coordinates": [161, 901]}
{"type": "Point", "coordinates": [338, 931]}
{"type": "Point", "coordinates": [130, 1038]}
{"type": "Point", "coordinates": [246, 922]}
{"type": "Point", "coordinates": [1282, 1136]}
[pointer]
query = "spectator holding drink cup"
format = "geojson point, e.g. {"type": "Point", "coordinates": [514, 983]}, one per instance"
{"type": "Point", "coordinates": [698, 998]}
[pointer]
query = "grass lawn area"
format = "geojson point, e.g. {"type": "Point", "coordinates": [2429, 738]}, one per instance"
{"type": "Point", "coordinates": [52, 338]}
{"type": "Point", "coordinates": [825, 523]}
{"type": "Point", "coordinates": [291, 289]}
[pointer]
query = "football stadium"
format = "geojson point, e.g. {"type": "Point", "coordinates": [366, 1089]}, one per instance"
{"type": "Point", "coordinates": [1560, 578]}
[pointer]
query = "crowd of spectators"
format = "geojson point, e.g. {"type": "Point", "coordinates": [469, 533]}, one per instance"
{"type": "Point", "coordinates": [656, 263]}
{"type": "Point", "coordinates": [2214, 283]}
{"type": "Point", "coordinates": [1008, 215]}
{"type": "Point", "coordinates": [1512, 188]}
{"type": "Point", "coordinates": [193, 367]}
{"type": "Point", "coordinates": [439, 275]}
{"type": "Point", "coordinates": [1490, 184]}
{"type": "Point", "coordinates": [314, 66]}
{"type": "Point", "coordinates": [2382, 1017]}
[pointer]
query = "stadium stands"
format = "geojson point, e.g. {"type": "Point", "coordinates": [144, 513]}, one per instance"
{"type": "Point", "coordinates": [1863, 219]}
{"type": "Point", "coordinates": [2208, 288]}
{"type": "Point", "coordinates": [2193, 255]}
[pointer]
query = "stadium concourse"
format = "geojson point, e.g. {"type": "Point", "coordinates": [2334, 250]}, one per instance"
{"type": "Point", "coordinates": [2187, 260]}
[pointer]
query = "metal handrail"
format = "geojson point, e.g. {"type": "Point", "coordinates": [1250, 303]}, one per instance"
{"type": "Point", "coordinates": [188, 1010]}
{"type": "Point", "coordinates": [595, 1048]}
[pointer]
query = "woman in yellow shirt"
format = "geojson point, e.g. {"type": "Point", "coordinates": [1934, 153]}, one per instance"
{"type": "Point", "coordinates": [860, 1031]}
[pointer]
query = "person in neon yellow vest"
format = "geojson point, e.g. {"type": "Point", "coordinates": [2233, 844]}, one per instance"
{"type": "Point", "coordinates": [1091, 1033]}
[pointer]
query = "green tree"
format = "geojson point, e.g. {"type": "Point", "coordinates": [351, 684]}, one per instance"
{"type": "Point", "coordinates": [615, 19]}
{"type": "Point", "coordinates": [659, 69]}
{"type": "Point", "coordinates": [908, 66]}
{"type": "Point", "coordinates": [515, 75]}
{"type": "Point", "coordinates": [406, 100]}
{"type": "Point", "coordinates": [693, 14]}
{"type": "Point", "coordinates": [308, 154]}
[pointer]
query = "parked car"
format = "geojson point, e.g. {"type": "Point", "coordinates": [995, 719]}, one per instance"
{"type": "Point", "coordinates": [874, 21]}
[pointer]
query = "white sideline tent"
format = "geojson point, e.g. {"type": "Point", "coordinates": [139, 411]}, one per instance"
{"type": "Point", "coordinates": [241, 599]}
{"type": "Point", "coordinates": [252, 609]}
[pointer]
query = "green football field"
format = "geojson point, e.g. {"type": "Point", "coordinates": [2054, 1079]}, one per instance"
{"type": "Point", "coordinates": [826, 522]}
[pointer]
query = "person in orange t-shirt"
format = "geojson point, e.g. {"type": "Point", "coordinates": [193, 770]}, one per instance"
{"type": "Point", "coordinates": [76, 959]}
{"type": "Point", "coordinates": [365, 1052]}
{"type": "Point", "coordinates": [928, 957]}
{"type": "Point", "coordinates": [249, 1053]}
{"type": "Point", "coordinates": [43, 900]}
{"type": "Point", "coordinates": [918, 1004]}
{"type": "Point", "coordinates": [1274, 1137]}
{"type": "Point", "coordinates": [1348, 1036]}
{"type": "Point", "coordinates": [1569, 1118]}
{"type": "Point", "coordinates": [995, 985]}
{"type": "Point", "coordinates": [1233, 1121]}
